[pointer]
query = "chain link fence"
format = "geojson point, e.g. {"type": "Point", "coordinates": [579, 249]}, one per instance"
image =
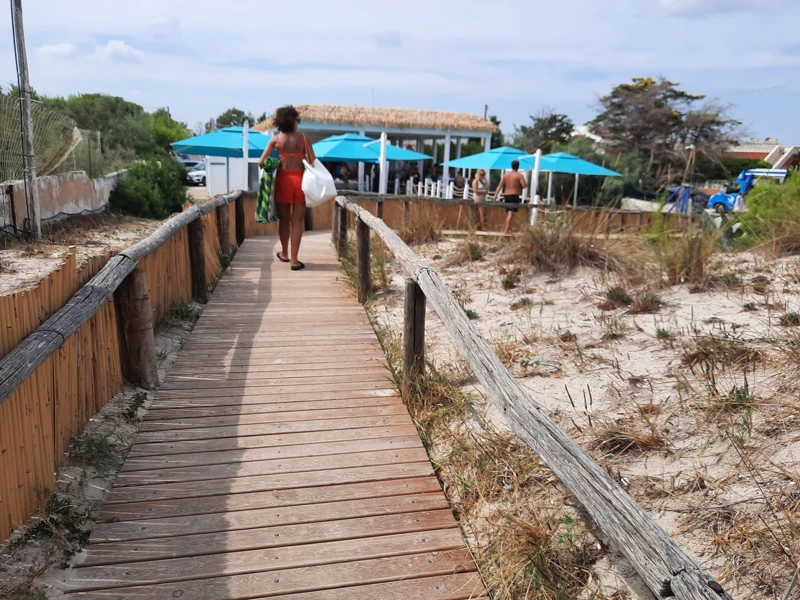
{"type": "Point", "coordinates": [59, 145]}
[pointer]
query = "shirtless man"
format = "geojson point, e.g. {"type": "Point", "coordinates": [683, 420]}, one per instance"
{"type": "Point", "coordinates": [511, 185]}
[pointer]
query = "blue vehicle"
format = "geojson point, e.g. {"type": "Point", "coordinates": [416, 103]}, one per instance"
{"type": "Point", "coordinates": [723, 202]}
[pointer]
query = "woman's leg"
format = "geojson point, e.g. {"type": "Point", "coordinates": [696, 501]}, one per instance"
{"type": "Point", "coordinates": [298, 225]}
{"type": "Point", "coordinates": [284, 227]}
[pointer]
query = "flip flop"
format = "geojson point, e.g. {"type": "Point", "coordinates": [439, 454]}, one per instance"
{"type": "Point", "coordinates": [299, 267]}
{"type": "Point", "coordinates": [280, 258]}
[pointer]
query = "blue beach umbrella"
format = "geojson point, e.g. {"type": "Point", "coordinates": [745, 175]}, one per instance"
{"type": "Point", "coordinates": [496, 158]}
{"type": "Point", "coordinates": [228, 142]}
{"type": "Point", "coordinates": [358, 148]}
{"type": "Point", "coordinates": [561, 162]}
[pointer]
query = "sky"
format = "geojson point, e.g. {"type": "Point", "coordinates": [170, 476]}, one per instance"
{"type": "Point", "coordinates": [201, 57]}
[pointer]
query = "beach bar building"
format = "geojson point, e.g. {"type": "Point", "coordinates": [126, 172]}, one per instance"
{"type": "Point", "coordinates": [407, 128]}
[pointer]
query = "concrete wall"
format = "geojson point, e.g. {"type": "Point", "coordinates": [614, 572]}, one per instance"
{"type": "Point", "coordinates": [59, 196]}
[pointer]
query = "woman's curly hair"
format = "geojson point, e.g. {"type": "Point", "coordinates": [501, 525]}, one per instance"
{"type": "Point", "coordinates": [285, 118]}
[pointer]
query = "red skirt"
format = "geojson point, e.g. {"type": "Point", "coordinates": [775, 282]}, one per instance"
{"type": "Point", "coordinates": [289, 187]}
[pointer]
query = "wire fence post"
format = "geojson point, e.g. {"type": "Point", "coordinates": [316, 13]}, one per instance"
{"type": "Point", "coordinates": [24, 85]}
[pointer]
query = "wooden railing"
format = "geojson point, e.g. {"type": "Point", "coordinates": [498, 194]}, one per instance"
{"type": "Point", "coordinates": [663, 565]}
{"type": "Point", "coordinates": [462, 215]}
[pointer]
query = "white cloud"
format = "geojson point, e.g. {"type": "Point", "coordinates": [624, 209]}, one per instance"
{"type": "Point", "coordinates": [65, 50]}
{"type": "Point", "coordinates": [119, 51]}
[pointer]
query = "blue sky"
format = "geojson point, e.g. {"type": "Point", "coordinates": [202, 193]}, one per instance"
{"type": "Point", "coordinates": [200, 57]}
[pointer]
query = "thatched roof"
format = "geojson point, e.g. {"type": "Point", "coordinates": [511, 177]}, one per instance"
{"type": "Point", "coordinates": [397, 118]}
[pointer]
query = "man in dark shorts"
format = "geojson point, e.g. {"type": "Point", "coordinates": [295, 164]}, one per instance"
{"type": "Point", "coordinates": [511, 186]}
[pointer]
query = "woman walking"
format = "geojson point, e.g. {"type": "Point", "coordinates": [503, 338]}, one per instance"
{"type": "Point", "coordinates": [480, 187]}
{"type": "Point", "coordinates": [292, 147]}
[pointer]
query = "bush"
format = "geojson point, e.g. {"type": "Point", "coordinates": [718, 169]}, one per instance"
{"type": "Point", "coordinates": [773, 216]}
{"type": "Point", "coordinates": [153, 189]}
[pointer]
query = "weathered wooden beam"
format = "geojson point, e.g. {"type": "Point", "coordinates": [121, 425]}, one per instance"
{"type": "Point", "coordinates": [663, 565]}
{"type": "Point", "coordinates": [341, 235]}
{"type": "Point", "coordinates": [23, 360]}
{"type": "Point", "coordinates": [413, 336]}
{"type": "Point", "coordinates": [224, 227]}
{"type": "Point", "coordinates": [363, 257]}
{"type": "Point", "coordinates": [137, 321]}
{"type": "Point", "coordinates": [197, 258]}
{"type": "Point", "coordinates": [241, 224]}
{"type": "Point", "coordinates": [337, 210]}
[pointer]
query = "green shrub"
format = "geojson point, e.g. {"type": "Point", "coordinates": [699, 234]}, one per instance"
{"type": "Point", "coordinates": [153, 189]}
{"type": "Point", "coordinates": [773, 216]}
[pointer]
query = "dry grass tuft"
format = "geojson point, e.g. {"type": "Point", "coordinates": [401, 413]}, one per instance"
{"type": "Point", "coordinates": [685, 258]}
{"type": "Point", "coordinates": [466, 251]}
{"type": "Point", "coordinates": [560, 249]}
{"type": "Point", "coordinates": [711, 353]}
{"type": "Point", "coordinates": [538, 556]}
{"type": "Point", "coordinates": [620, 439]}
{"type": "Point", "coordinates": [645, 303]}
{"type": "Point", "coordinates": [424, 227]}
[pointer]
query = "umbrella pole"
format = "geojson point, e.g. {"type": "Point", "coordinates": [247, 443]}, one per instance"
{"type": "Point", "coordinates": [535, 187]}
{"type": "Point", "coordinates": [575, 199]}
{"type": "Point", "coordinates": [383, 180]}
{"type": "Point", "coordinates": [246, 154]}
{"type": "Point", "coordinates": [549, 186]}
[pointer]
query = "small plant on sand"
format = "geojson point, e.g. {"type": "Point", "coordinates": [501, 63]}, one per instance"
{"type": "Point", "coordinates": [471, 314]}
{"type": "Point", "coordinates": [465, 251]}
{"type": "Point", "coordinates": [663, 334]}
{"type": "Point", "coordinates": [224, 261]}
{"type": "Point", "coordinates": [645, 303]}
{"type": "Point", "coordinates": [615, 329]}
{"type": "Point", "coordinates": [96, 451]}
{"type": "Point", "coordinates": [619, 439]}
{"type": "Point", "coordinates": [790, 319]}
{"type": "Point", "coordinates": [131, 412]}
{"type": "Point", "coordinates": [57, 517]}
{"type": "Point", "coordinates": [749, 307]}
{"type": "Point", "coordinates": [618, 295]}
{"type": "Point", "coordinates": [523, 302]}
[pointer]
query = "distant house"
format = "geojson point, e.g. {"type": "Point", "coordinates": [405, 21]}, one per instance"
{"type": "Point", "coordinates": [409, 128]}
{"type": "Point", "coordinates": [770, 150]}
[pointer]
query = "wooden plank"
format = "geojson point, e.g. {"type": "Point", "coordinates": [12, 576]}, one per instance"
{"type": "Point", "coordinates": [170, 401]}
{"type": "Point", "coordinates": [262, 483]}
{"type": "Point", "coordinates": [158, 515]}
{"type": "Point", "coordinates": [267, 441]}
{"type": "Point", "coordinates": [276, 466]}
{"type": "Point", "coordinates": [179, 526]}
{"type": "Point", "coordinates": [161, 412]}
{"type": "Point", "coordinates": [241, 456]}
{"type": "Point", "coordinates": [266, 537]}
{"type": "Point", "coordinates": [304, 579]}
{"type": "Point", "coordinates": [253, 561]}
{"type": "Point", "coordinates": [168, 423]}
{"type": "Point", "coordinates": [263, 391]}
{"type": "Point", "coordinates": [257, 375]}
{"type": "Point", "coordinates": [207, 433]}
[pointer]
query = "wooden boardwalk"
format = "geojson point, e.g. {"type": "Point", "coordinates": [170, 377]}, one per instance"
{"type": "Point", "coordinates": [278, 460]}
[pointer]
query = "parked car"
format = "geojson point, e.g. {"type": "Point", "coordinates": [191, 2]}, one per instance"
{"type": "Point", "coordinates": [189, 163]}
{"type": "Point", "coordinates": [197, 176]}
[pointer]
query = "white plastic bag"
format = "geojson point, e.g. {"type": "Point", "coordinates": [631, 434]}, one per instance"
{"type": "Point", "coordinates": [318, 185]}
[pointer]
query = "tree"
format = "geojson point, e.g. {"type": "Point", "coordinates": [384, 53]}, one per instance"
{"type": "Point", "coordinates": [234, 117]}
{"type": "Point", "coordinates": [546, 129]}
{"type": "Point", "coordinates": [199, 128]}
{"type": "Point", "coordinates": [656, 118]}
{"type": "Point", "coordinates": [210, 125]}
{"type": "Point", "coordinates": [498, 139]}
{"type": "Point", "coordinates": [167, 130]}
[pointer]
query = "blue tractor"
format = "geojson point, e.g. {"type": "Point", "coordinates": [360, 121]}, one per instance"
{"type": "Point", "coordinates": [723, 202]}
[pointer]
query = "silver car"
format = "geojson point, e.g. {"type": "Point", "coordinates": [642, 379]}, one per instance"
{"type": "Point", "coordinates": [197, 176]}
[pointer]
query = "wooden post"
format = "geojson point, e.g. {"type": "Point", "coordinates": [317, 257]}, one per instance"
{"type": "Point", "coordinates": [341, 239]}
{"type": "Point", "coordinates": [406, 212]}
{"type": "Point", "coordinates": [362, 250]}
{"type": "Point", "coordinates": [413, 336]}
{"type": "Point", "coordinates": [473, 217]}
{"type": "Point", "coordinates": [240, 222]}
{"type": "Point", "coordinates": [140, 342]}
{"type": "Point", "coordinates": [379, 210]}
{"type": "Point", "coordinates": [224, 225]}
{"type": "Point", "coordinates": [337, 211]}
{"type": "Point", "coordinates": [197, 256]}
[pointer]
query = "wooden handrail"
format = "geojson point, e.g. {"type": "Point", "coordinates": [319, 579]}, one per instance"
{"type": "Point", "coordinates": [22, 361]}
{"type": "Point", "coordinates": [661, 563]}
